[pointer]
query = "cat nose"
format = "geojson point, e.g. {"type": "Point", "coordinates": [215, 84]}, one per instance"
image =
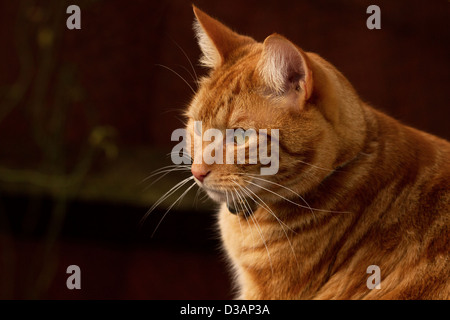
{"type": "Point", "coordinates": [199, 172]}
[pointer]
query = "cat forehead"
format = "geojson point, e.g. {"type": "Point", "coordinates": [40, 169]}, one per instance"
{"type": "Point", "coordinates": [216, 108]}
{"type": "Point", "coordinates": [223, 88]}
{"type": "Point", "coordinates": [241, 67]}
{"type": "Point", "coordinates": [246, 109]}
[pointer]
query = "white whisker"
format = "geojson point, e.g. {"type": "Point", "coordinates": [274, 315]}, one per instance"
{"type": "Point", "coordinates": [295, 203]}
{"type": "Point", "coordinates": [160, 65]}
{"type": "Point", "coordinates": [264, 205]}
{"type": "Point", "coordinates": [164, 197]}
{"type": "Point", "coordinates": [245, 217]}
{"type": "Point", "coordinates": [164, 173]}
{"type": "Point", "coordinates": [239, 220]}
{"type": "Point", "coordinates": [279, 221]}
{"type": "Point", "coordinates": [163, 169]}
{"type": "Point", "coordinates": [258, 228]}
{"type": "Point", "coordinates": [317, 167]}
{"type": "Point", "coordinates": [186, 69]}
{"type": "Point", "coordinates": [170, 207]}
{"type": "Point", "coordinates": [189, 60]}
{"type": "Point", "coordinates": [196, 197]}
{"type": "Point", "coordinates": [277, 184]}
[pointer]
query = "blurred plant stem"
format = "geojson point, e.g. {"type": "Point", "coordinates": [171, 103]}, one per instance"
{"type": "Point", "coordinates": [11, 95]}
{"type": "Point", "coordinates": [45, 90]}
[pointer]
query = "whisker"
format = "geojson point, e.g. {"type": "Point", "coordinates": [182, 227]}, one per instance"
{"type": "Point", "coordinates": [245, 217]}
{"type": "Point", "coordinates": [186, 69]}
{"type": "Point", "coordinates": [258, 228]}
{"type": "Point", "coordinates": [170, 207]}
{"type": "Point", "coordinates": [189, 60]}
{"type": "Point", "coordinates": [160, 65]}
{"type": "Point", "coordinates": [317, 167]}
{"type": "Point", "coordinates": [160, 170]}
{"type": "Point", "coordinates": [164, 197]}
{"type": "Point", "coordinates": [239, 220]}
{"type": "Point", "coordinates": [297, 204]}
{"type": "Point", "coordinates": [265, 206]}
{"type": "Point", "coordinates": [277, 184]}
{"type": "Point", "coordinates": [204, 198]}
{"type": "Point", "coordinates": [164, 173]}
{"type": "Point", "coordinates": [281, 224]}
{"type": "Point", "coordinates": [196, 197]}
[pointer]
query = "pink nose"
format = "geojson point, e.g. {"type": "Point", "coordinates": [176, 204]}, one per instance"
{"type": "Point", "coordinates": [199, 173]}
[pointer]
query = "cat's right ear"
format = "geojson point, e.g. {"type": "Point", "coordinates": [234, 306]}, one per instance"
{"type": "Point", "coordinates": [216, 40]}
{"type": "Point", "coordinates": [284, 67]}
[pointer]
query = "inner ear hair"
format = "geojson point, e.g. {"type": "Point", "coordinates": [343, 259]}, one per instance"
{"type": "Point", "coordinates": [283, 66]}
{"type": "Point", "coordinates": [293, 80]}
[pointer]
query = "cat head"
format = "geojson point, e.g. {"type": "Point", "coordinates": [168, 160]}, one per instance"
{"type": "Point", "coordinates": [270, 85]}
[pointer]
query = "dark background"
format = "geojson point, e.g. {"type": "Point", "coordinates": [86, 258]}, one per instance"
{"type": "Point", "coordinates": [86, 115]}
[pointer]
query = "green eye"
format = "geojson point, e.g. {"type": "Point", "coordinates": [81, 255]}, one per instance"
{"type": "Point", "coordinates": [240, 138]}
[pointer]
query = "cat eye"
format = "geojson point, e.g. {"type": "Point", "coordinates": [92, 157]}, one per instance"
{"type": "Point", "coordinates": [239, 137]}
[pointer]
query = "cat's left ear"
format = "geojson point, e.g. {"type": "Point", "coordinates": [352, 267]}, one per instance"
{"type": "Point", "coordinates": [284, 67]}
{"type": "Point", "coordinates": [216, 40]}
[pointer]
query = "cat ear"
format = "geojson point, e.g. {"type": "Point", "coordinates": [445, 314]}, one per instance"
{"type": "Point", "coordinates": [284, 67]}
{"type": "Point", "coordinates": [216, 40]}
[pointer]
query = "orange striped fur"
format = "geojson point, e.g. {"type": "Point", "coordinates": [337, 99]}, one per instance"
{"type": "Point", "coordinates": [378, 189]}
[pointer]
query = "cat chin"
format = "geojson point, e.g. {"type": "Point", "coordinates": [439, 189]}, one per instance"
{"type": "Point", "coordinates": [216, 196]}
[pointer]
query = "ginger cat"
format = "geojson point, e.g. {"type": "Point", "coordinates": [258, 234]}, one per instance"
{"type": "Point", "coordinates": [354, 188]}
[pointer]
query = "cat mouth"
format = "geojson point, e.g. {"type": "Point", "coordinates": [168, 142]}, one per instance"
{"type": "Point", "coordinates": [236, 205]}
